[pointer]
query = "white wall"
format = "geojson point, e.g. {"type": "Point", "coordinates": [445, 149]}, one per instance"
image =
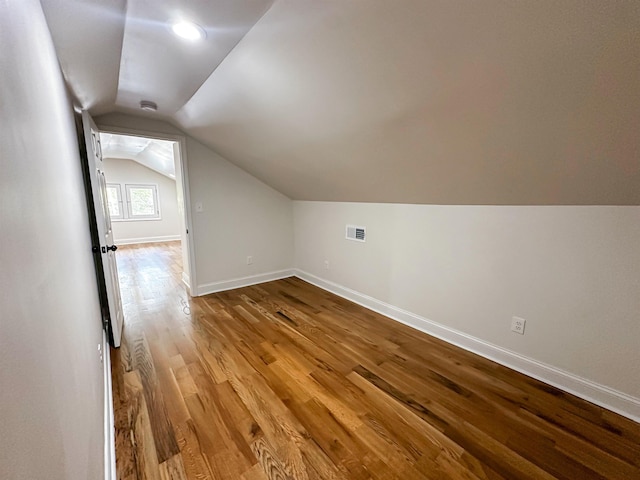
{"type": "Point", "coordinates": [51, 379]}
{"type": "Point", "coordinates": [123, 171]}
{"type": "Point", "coordinates": [572, 272]}
{"type": "Point", "coordinates": [241, 215]}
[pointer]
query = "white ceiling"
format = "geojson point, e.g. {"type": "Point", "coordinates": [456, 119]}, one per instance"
{"type": "Point", "coordinates": [154, 154]}
{"type": "Point", "coordinates": [411, 101]}
{"type": "Point", "coordinates": [115, 53]}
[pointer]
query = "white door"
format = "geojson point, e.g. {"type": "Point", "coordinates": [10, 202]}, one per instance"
{"type": "Point", "coordinates": [107, 249]}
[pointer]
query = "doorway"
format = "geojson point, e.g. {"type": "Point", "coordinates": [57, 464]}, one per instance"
{"type": "Point", "coordinates": [132, 200]}
{"type": "Point", "coordinates": [148, 202]}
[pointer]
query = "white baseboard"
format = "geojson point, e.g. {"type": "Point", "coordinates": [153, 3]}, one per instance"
{"type": "Point", "coordinates": [109, 424]}
{"type": "Point", "coordinates": [132, 241]}
{"type": "Point", "coordinates": [214, 287]}
{"type": "Point", "coordinates": [614, 400]}
{"type": "Point", "coordinates": [187, 281]}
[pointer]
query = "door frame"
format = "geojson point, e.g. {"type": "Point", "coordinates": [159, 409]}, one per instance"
{"type": "Point", "coordinates": [186, 192]}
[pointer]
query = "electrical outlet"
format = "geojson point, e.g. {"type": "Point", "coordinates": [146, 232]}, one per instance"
{"type": "Point", "coordinates": [199, 207]}
{"type": "Point", "coordinates": [100, 352]}
{"type": "Point", "coordinates": [517, 325]}
{"type": "Point", "coordinates": [249, 260]}
{"type": "Point", "coordinates": [326, 264]}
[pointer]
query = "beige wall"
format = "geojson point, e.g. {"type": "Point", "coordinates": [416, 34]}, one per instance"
{"type": "Point", "coordinates": [51, 379]}
{"type": "Point", "coordinates": [460, 102]}
{"type": "Point", "coordinates": [123, 171]}
{"type": "Point", "coordinates": [572, 272]}
{"type": "Point", "coordinates": [241, 215]}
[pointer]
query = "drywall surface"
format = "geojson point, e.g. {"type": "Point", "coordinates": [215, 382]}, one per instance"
{"type": "Point", "coordinates": [240, 217]}
{"type": "Point", "coordinates": [572, 272]}
{"type": "Point", "coordinates": [460, 102]}
{"type": "Point", "coordinates": [51, 378]}
{"type": "Point", "coordinates": [122, 171]}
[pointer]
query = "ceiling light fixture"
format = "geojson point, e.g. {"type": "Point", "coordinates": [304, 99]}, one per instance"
{"type": "Point", "coordinates": [149, 106]}
{"type": "Point", "coordinates": [188, 30]}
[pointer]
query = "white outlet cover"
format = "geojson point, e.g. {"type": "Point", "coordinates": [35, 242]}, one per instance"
{"type": "Point", "coordinates": [518, 324]}
{"type": "Point", "coordinates": [199, 207]}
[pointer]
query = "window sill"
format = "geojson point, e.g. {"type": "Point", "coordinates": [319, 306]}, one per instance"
{"type": "Point", "coordinates": [118, 220]}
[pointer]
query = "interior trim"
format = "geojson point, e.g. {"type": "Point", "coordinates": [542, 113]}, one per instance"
{"type": "Point", "coordinates": [133, 241]}
{"type": "Point", "coordinates": [186, 281]}
{"type": "Point", "coordinates": [601, 395]}
{"type": "Point", "coordinates": [221, 286]}
{"type": "Point", "coordinates": [109, 423]}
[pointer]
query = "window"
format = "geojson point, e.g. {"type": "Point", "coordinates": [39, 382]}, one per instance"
{"type": "Point", "coordinates": [114, 199]}
{"type": "Point", "coordinates": [141, 202]}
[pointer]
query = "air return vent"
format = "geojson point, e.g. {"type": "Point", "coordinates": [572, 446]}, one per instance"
{"type": "Point", "coordinates": [356, 233]}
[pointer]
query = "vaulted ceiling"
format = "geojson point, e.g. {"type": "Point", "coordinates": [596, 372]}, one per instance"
{"type": "Point", "coordinates": [411, 101]}
{"type": "Point", "coordinates": [151, 153]}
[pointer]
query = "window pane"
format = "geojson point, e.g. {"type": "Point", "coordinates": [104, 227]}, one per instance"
{"type": "Point", "coordinates": [142, 201]}
{"type": "Point", "coordinates": [114, 204]}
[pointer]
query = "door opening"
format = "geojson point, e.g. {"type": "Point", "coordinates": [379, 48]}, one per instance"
{"type": "Point", "coordinates": [140, 189]}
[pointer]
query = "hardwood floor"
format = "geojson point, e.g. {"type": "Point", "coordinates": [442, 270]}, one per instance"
{"type": "Point", "coordinates": [286, 381]}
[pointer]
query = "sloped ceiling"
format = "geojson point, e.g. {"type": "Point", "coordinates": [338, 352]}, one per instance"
{"type": "Point", "coordinates": [151, 153]}
{"type": "Point", "coordinates": [412, 101]}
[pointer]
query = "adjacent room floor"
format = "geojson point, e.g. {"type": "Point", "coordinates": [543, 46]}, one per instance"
{"type": "Point", "coordinates": [286, 381]}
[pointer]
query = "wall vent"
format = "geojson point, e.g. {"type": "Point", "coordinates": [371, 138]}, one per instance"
{"type": "Point", "coordinates": [356, 233]}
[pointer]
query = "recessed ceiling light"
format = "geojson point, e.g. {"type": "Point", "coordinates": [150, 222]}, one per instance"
{"type": "Point", "coordinates": [188, 30]}
{"type": "Point", "coordinates": [148, 106]}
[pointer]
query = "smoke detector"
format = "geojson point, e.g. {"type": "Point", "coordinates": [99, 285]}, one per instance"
{"type": "Point", "coordinates": [149, 106]}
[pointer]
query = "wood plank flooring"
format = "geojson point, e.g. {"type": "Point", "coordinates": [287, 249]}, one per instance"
{"type": "Point", "coordinates": [286, 381]}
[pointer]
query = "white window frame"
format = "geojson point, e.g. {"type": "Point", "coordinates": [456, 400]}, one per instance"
{"type": "Point", "coordinates": [126, 215]}
{"type": "Point", "coordinates": [156, 200]}
{"type": "Point", "coordinates": [121, 208]}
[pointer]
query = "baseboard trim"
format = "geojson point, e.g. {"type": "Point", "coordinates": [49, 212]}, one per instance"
{"type": "Point", "coordinates": [134, 241]}
{"type": "Point", "coordinates": [109, 423]}
{"type": "Point", "coordinates": [221, 286]}
{"type": "Point", "coordinates": [606, 397]}
{"type": "Point", "coordinates": [187, 281]}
